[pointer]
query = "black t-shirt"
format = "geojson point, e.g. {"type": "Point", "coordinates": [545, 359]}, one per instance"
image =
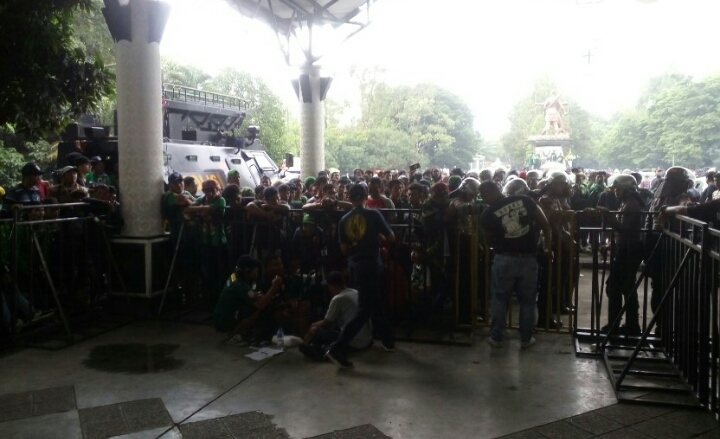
{"type": "Point", "coordinates": [706, 194]}
{"type": "Point", "coordinates": [609, 201]}
{"type": "Point", "coordinates": [360, 229]}
{"type": "Point", "coordinates": [708, 212]}
{"type": "Point", "coordinates": [511, 222]}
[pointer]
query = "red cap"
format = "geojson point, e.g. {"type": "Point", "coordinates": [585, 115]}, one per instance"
{"type": "Point", "coordinates": [209, 184]}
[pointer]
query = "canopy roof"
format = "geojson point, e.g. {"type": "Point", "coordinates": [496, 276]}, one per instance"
{"type": "Point", "coordinates": [285, 16]}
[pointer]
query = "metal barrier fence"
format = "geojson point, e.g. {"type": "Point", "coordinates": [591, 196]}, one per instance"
{"type": "Point", "coordinates": [56, 260]}
{"type": "Point", "coordinates": [459, 272]}
{"type": "Point", "coordinates": [674, 358]}
{"type": "Point", "coordinates": [407, 284]}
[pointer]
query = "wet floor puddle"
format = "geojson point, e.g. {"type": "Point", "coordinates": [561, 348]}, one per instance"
{"type": "Point", "coordinates": [134, 358]}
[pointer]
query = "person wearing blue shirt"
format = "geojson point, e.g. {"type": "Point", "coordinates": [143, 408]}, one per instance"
{"type": "Point", "coordinates": [27, 191]}
{"type": "Point", "coordinates": [360, 233]}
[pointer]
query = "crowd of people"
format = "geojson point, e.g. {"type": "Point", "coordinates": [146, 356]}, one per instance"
{"type": "Point", "coordinates": [303, 229]}
{"type": "Point", "coordinates": [72, 251]}
{"type": "Point", "coordinates": [318, 257]}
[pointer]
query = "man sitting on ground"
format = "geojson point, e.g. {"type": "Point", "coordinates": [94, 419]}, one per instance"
{"type": "Point", "coordinates": [342, 309]}
{"type": "Point", "coordinates": [239, 309]}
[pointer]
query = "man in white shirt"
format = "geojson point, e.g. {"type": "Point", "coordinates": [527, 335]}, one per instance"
{"type": "Point", "coordinates": [342, 309]}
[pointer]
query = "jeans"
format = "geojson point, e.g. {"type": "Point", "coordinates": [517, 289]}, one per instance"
{"type": "Point", "coordinates": [513, 274]}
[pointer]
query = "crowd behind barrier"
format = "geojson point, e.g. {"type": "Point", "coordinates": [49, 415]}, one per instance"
{"type": "Point", "coordinates": [309, 246]}
{"type": "Point", "coordinates": [57, 261]}
{"type": "Point", "coordinates": [66, 255]}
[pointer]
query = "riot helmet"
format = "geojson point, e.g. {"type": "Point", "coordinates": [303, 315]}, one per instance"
{"type": "Point", "coordinates": [676, 182]}
{"type": "Point", "coordinates": [470, 186]}
{"type": "Point", "coordinates": [625, 182]}
{"type": "Point", "coordinates": [558, 177]}
{"type": "Point", "coordinates": [534, 174]}
{"type": "Point", "coordinates": [678, 173]}
{"type": "Point", "coordinates": [516, 186]}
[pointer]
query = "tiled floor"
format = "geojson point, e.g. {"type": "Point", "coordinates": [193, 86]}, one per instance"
{"type": "Point", "coordinates": [37, 403]}
{"type": "Point", "coordinates": [123, 418]}
{"type": "Point", "coordinates": [361, 432]}
{"type": "Point", "coordinates": [629, 421]}
{"type": "Point", "coordinates": [158, 379]}
{"type": "Point", "coordinates": [248, 425]}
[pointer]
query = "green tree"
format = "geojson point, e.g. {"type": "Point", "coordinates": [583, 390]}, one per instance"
{"type": "Point", "coordinates": [91, 34]}
{"type": "Point", "coordinates": [683, 121]}
{"type": "Point", "coordinates": [438, 122]}
{"type": "Point", "coordinates": [292, 134]}
{"type": "Point", "coordinates": [659, 83]}
{"type": "Point", "coordinates": [183, 74]}
{"type": "Point", "coordinates": [368, 79]}
{"type": "Point", "coordinates": [675, 121]}
{"type": "Point", "coordinates": [16, 150]}
{"type": "Point", "coordinates": [11, 161]}
{"type": "Point", "coordinates": [264, 106]}
{"type": "Point", "coordinates": [50, 80]}
{"type": "Point", "coordinates": [377, 148]}
{"type": "Point", "coordinates": [625, 143]}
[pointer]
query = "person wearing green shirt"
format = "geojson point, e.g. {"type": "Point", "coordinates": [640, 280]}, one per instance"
{"type": "Point", "coordinates": [175, 201]}
{"type": "Point", "coordinates": [98, 175]}
{"type": "Point", "coordinates": [240, 309]}
{"type": "Point", "coordinates": [174, 204]}
{"type": "Point", "coordinates": [209, 211]}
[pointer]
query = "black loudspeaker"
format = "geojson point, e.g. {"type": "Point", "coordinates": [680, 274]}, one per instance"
{"type": "Point", "coordinates": [94, 132]}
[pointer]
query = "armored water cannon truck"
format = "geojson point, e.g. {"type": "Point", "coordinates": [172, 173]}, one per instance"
{"type": "Point", "coordinates": [199, 139]}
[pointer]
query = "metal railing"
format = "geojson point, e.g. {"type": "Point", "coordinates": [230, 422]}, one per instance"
{"type": "Point", "coordinates": [674, 359]}
{"type": "Point", "coordinates": [53, 266]}
{"type": "Point", "coordinates": [193, 95]}
{"type": "Point", "coordinates": [462, 278]}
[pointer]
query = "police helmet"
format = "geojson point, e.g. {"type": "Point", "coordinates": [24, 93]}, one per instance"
{"type": "Point", "coordinates": [678, 173]}
{"type": "Point", "coordinates": [516, 186]}
{"type": "Point", "coordinates": [625, 182]}
{"type": "Point", "coordinates": [558, 176]}
{"type": "Point", "coordinates": [470, 186]}
{"type": "Point", "coordinates": [486, 174]}
{"type": "Point", "coordinates": [534, 174]}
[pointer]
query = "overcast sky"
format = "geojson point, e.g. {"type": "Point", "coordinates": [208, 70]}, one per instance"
{"type": "Point", "coordinates": [488, 52]}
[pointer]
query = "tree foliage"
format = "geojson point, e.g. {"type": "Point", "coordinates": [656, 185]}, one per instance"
{"type": "Point", "coordinates": [375, 148]}
{"type": "Point", "coordinates": [46, 79]}
{"type": "Point", "coordinates": [16, 150]}
{"type": "Point", "coordinates": [675, 121]}
{"type": "Point", "coordinates": [425, 123]}
{"type": "Point", "coordinates": [90, 33]}
{"type": "Point", "coordinates": [264, 106]}
{"type": "Point", "coordinates": [183, 74]}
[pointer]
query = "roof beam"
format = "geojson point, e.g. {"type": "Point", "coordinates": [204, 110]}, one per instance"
{"type": "Point", "coordinates": [322, 9]}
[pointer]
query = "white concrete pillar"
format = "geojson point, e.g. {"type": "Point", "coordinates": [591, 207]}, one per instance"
{"type": "Point", "coordinates": [311, 93]}
{"type": "Point", "coordinates": [139, 112]}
